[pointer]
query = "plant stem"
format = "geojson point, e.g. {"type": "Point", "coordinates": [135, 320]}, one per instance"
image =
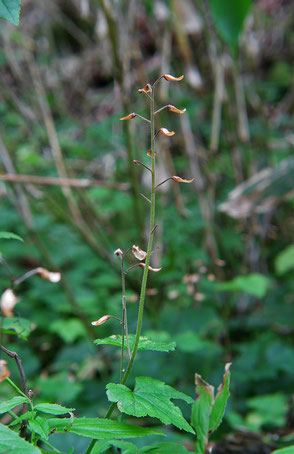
{"type": "Point", "coordinates": [147, 260]}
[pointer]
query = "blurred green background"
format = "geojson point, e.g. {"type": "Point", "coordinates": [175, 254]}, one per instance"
{"type": "Point", "coordinates": [225, 242]}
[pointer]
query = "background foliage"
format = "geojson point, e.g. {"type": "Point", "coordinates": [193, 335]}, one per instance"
{"type": "Point", "coordinates": [225, 292]}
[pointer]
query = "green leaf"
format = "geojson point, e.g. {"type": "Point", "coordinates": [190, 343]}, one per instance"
{"type": "Point", "coordinates": [68, 330]}
{"type": "Point", "coordinates": [10, 404]}
{"type": "Point", "coordinates": [229, 16]}
{"type": "Point", "coordinates": [285, 260]}
{"type": "Point", "coordinates": [100, 429]}
{"type": "Point", "coordinates": [150, 397]}
{"type": "Point", "coordinates": [40, 426]}
{"type": "Point", "coordinates": [8, 235]}
{"type": "Point", "coordinates": [255, 284]}
{"type": "Point", "coordinates": [288, 450]}
{"type": "Point", "coordinates": [13, 444]}
{"type": "Point", "coordinates": [164, 448]}
{"type": "Point", "coordinates": [53, 409]}
{"type": "Point", "coordinates": [144, 343]}
{"type": "Point", "coordinates": [201, 412]}
{"type": "Point", "coordinates": [28, 415]}
{"type": "Point", "coordinates": [102, 446]}
{"type": "Point", "coordinates": [220, 402]}
{"type": "Point", "coordinates": [17, 326]}
{"type": "Point", "coordinates": [267, 409]}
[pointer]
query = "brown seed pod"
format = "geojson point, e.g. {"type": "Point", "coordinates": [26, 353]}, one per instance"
{"type": "Point", "coordinates": [181, 180]}
{"type": "Point", "coordinates": [166, 132]}
{"type": "Point", "coordinates": [129, 117]}
{"type": "Point", "coordinates": [172, 108]}
{"type": "Point", "coordinates": [173, 78]}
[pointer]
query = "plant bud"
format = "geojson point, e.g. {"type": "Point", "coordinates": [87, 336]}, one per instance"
{"type": "Point", "coordinates": [139, 253]}
{"type": "Point", "coordinates": [166, 132]}
{"type": "Point", "coordinates": [172, 108]}
{"type": "Point", "coordinates": [149, 153]}
{"type": "Point", "coordinates": [8, 301]}
{"type": "Point", "coordinates": [101, 320]}
{"type": "Point", "coordinates": [129, 117]}
{"type": "Point", "coordinates": [173, 78]}
{"type": "Point", "coordinates": [142, 265]}
{"type": "Point", "coordinates": [49, 275]}
{"type": "Point", "coordinates": [4, 371]}
{"type": "Point", "coordinates": [118, 252]}
{"type": "Point", "coordinates": [181, 180]}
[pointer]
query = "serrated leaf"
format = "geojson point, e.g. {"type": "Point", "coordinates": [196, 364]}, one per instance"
{"type": "Point", "coordinates": [150, 397]}
{"type": "Point", "coordinates": [144, 343]}
{"type": "Point", "coordinates": [285, 260]}
{"type": "Point", "coordinates": [229, 16]}
{"type": "Point", "coordinates": [201, 412]}
{"type": "Point", "coordinates": [17, 326]}
{"type": "Point", "coordinates": [40, 426]}
{"type": "Point", "coordinates": [100, 429]}
{"type": "Point", "coordinates": [53, 409]}
{"type": "Point", "coordinates": [11, 443]}
{"type": "Point", "coordinates": [28, 415]}
{"type": "Point", "coordinates": [8, 405]}
{"type": "Point", "coordinates": [8, 235]}
{"type": "Point", "coordinates": [220, 402]}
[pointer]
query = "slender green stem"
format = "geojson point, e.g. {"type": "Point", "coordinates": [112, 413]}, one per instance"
{"type": "Point", "coordinates": [13, 385]}
{"type": "Point", "coordinates": [149, 248]}
{"type": "Point", "coordinates": [147, 260]}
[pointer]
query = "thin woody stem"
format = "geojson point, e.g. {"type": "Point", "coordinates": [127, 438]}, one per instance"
{"type": "Point", "coordinates": [15, 356]}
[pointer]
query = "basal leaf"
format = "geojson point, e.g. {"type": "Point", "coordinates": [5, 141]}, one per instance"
{"type": "Point", "coordinates": [201, 412]}
{"type": "Point", "coordinates": [11, 443]}
{"type": "Point", "coordinates": [100, 429]}
{"type": "Point", "coordinates": [229, 16]}
{"type": "Point", "coordinates": [150, 397]}
{"type": "Point", "coordinates": [53, 409]}
{"type": "Point", "coordinates": [8, 235]}
{"type": "Point", "coordinates": [144, 343]}
{"type": "Point", "coordinates": [223, 393]}
{"type": "Point", "coordinates": [8, 405]}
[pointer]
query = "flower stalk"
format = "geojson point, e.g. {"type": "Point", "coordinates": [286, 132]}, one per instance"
{"type": "Point", "coordinates": [148, 90]}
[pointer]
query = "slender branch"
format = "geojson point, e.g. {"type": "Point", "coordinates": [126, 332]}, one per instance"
{"type": "Point", "coordinates": [15, 356]}
{"type": "Point", "coordinates": [161, 108]}
{"type": "Point", "coordinates": [74, 182]}
{"type": "Point", "coordinates": [144, 197]}
{"type": "Point", "coordinates": [164, 181]}
{"type": "Point", "coordinates": [143, 118]}
{"type": "Point", "coordinates": [139, 163]}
